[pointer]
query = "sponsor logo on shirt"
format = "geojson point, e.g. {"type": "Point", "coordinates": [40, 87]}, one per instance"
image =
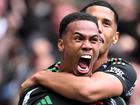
{"type": "Point", "coordinates": [117, 71]}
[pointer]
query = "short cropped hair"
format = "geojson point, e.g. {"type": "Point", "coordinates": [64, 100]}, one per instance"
{"type": "Point", "coordinates": [104, 4]}
{"type": "Point", "coordinates": [76, 16]}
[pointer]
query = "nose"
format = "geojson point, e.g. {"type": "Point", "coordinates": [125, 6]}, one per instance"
{"type": "Point", "coordinates": [100, 27]}
{"type": "Point", "coordinates": [86, 46]}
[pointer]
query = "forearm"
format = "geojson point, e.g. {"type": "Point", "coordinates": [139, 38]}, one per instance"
{"type": "Point", "coordinates": [85, 89]}
{"type": "Point", "coordinates": [67, 85]}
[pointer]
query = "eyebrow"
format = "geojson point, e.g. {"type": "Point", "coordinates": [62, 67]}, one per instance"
{"type": "Point", "coordinates": [94, 35]}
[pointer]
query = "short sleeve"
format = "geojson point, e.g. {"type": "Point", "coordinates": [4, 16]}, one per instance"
{"type": "Point", "coordinates": [126, 74]}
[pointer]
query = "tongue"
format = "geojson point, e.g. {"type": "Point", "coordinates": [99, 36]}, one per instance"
{"type": "Point", "coordinates": [82, 68]}
{"type": "Point", "coordinates": [83, 65]}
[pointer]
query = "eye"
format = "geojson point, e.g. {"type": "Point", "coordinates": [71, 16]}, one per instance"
{"type": "Point", "coordinates": [78, 37]}
{"type": "Point", "coordinates": [94, 39]}
{"type": "Point", "coordinates": [106, 23]}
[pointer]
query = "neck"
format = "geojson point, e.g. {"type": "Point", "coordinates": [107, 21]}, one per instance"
{"type": "Point", "coordinates": [65, 67]}
{"type": "Point", "coordinates": [101, 60]}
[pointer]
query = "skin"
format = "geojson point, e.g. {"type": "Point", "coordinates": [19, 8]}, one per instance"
{"type": "Point", "coordinates": [108, 30]}
{"type": "Point", "coordinates": [100, 85]}
{"type": "Point", "coordinates": [79, 40]}
{"type": "Point", "coordinates": [107, 26]}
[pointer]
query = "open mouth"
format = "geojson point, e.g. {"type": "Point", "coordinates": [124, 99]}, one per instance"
{"type": "Point", "coordinates": [84, 64]}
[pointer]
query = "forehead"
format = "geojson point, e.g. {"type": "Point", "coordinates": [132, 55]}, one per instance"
{"type": "Point", "coordinates": [83, 26]}
{"type": "Point", "coordinates": [101, 12]}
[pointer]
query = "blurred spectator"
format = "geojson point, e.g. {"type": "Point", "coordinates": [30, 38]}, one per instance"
{"type": "Point", "coordinates": [11, 55]}
{"type": "Point", "coordinates": [125, 47]}
{"type": "Point", "coordinates": [59, 11]}
{"type": "Point", "coordinates": [42, 55]}
{"type": "Point", "coordinates": [28, 32]}
{"type": "Point", "coordinates": [129, 19]}
{"type": "Point", "coordinates": [27, 41]}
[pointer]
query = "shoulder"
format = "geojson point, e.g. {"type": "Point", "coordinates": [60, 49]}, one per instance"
{"type": "Point", "coordinates": [55, 67]}
{"type": "Point", "coordinates": [31, 95]}
{"type": "Point", "coordinates": [121, 68]}
{"type": "Point", "coordinates": [124, 71]}
{"type": "Point", "coordinates": [40, 95]}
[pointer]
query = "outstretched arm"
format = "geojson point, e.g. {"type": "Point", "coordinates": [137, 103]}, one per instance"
{"type": "Point", "coordinates": [86, 89]}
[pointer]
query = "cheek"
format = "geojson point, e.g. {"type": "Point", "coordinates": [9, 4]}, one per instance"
{"type": "Point", "coordinates": [72, 46]}
{"type": "Point", "coordinates": [70, 54]}
{"type": "Point", "coordinates": [71, 49]}
{"type": "Point", "coordinates": [96, 50]}
{"type": "Point", "coordinates": [108, 36]}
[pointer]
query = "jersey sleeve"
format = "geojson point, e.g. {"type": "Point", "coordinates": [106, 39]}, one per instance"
{"type": "Point", "coordinates": [126, 74]}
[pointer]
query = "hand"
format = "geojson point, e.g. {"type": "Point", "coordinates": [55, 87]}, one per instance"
{"type": "Point", "coordinates": [27, 83]}
{"type": "Point", "coordinates": [34, 80]}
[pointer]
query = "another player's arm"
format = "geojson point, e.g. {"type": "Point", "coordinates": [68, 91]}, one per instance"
{"type": "Point", "coordinates": [87, 89]}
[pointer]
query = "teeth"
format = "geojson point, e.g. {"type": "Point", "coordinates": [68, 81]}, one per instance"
{"type": "Point", "coordinates": [82, 68]}
{"type": "Point", "coordinates": [86, 56]}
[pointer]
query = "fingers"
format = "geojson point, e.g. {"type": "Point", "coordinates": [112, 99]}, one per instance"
{"type": "Point", "coordinates": [32, 81]}
{"type": "Point", "coordinates": [26, 84]}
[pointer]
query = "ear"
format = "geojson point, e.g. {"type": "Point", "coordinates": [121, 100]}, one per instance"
{"type": "Point", "coordinates": [116, 38]}
{"type": "Point", "coordinates": [60, 45]}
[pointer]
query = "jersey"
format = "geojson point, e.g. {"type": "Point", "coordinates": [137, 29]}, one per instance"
{"type": "Point", "coordinates": [124, 72]}
{"type": "Point", "coordinates": [121, 69]}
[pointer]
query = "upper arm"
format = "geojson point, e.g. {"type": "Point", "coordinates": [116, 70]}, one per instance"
{"type": "Point", "coordinates": [113, 81]}
{"type": "Point", "coordinates": [104, 85]}
{"type": "Point", "coordinates": [116, 80]}
{"type": "Point", "coordinates": [126, 75]}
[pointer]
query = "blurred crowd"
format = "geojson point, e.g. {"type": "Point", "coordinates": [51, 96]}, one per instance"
{"type": "Point", "coordinates": [28, 39]}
